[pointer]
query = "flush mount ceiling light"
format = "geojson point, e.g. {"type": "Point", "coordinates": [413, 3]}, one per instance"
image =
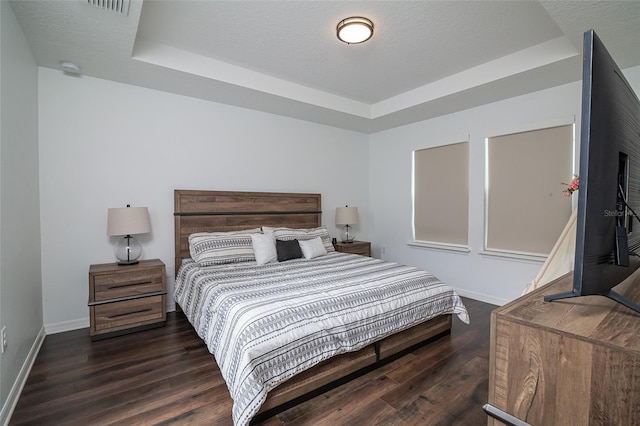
{"type": "Point", "coordinates": [354, 30]}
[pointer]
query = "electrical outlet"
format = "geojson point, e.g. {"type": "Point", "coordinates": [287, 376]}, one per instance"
{"type": "Point", "coordinates": [3, 336]}
{"type": "Point", "coordinates": [383, 249]}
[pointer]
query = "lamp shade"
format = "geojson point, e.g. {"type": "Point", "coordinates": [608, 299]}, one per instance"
{"type": "Point", "coordinates": [128, 221]}
{"type": "Point", "coordinates": [346, 215]}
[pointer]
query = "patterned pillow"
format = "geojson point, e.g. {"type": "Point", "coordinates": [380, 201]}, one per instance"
{"type": "Point", "coordinates": [217, 248]}
{"type": "Point", "coordinates": [302, 234]}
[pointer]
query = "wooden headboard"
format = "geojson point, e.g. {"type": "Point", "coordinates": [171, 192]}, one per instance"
{"type": "Point", "coordinates": [216, 211]}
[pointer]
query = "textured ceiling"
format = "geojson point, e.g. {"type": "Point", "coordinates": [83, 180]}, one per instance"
{"type": "Point", "coordinates": [426, 58]}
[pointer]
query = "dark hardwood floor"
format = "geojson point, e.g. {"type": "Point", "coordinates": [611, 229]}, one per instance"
{"type": "Point", "coordinates": [167, 376]}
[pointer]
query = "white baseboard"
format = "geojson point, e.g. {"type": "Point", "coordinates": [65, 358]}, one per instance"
{"type": "Point", "coordinates": [18, 385]}
{"type": "Point", "coordinates": [60, 327]}
{"type": "Point", "coordinates": [482, 297]}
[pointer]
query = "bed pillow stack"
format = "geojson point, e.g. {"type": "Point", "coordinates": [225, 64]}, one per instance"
{"type": "Point", "coordinates": [302, 234]}
{"type": "Point", "coordinates": [264, 245]}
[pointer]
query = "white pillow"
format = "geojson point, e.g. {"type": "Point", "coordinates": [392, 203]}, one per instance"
{"type": "Point", "coordinates": [264, 248]}
{"type": "Point", "coordinates": [312, 248]}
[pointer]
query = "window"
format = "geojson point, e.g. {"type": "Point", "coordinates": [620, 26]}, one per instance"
{"type": "Point", "coordinates": [441, 194]}
{"type": "Point", "coordinates": [525, 207]}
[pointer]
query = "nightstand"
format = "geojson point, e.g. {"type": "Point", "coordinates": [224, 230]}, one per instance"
{"type": "Point", "coordinates": [357, 247]}
{"type": "Point", "coordinates": [126, 298]}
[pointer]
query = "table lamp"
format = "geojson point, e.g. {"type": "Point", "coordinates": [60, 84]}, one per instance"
{"type": "Point", "coordinates": [347, 216]}
{"type": "Point", "coordinates": [128, 221]}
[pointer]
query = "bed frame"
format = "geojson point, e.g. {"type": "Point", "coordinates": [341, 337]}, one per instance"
{"type": "Point", "coordinates": [211, 211]}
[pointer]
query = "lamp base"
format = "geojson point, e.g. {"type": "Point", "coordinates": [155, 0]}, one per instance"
{"type": "Point", "coordinates": [347, 235]}
{"type": "Point", "coordinates": [127, 250]}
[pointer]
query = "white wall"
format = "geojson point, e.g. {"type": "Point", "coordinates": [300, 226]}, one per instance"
{"type": "Point", "coordinates": [495, 280]}
{"type": "Point", "coordinates": [105, 144]}
{"type": "Point", "coordinates": [20, 279]}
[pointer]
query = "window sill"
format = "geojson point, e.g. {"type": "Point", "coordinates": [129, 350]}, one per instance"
{"type": "Point", "coordinates": [514, 255]}
{"type": "Point", "coordinates": [459, 248]}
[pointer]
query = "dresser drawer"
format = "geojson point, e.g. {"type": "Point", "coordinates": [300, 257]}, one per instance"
{"type": "Point", "coordinates": [126, 284]}
{"type": "Point", "coordinates": [115, 316]}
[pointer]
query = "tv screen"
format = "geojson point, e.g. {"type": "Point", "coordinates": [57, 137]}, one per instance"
{"type": "Point", "coordinates": [608, 228]}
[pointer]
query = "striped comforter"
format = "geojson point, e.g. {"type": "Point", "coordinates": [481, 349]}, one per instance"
{"type": "Point", "coordinates": [264, 324]}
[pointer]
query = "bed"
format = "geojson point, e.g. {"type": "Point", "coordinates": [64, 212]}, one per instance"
{"type": "Point", "coordinates": [285, 329]}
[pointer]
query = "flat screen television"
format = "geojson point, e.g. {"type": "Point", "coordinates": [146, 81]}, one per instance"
{"type": "Point", "coordinates": [608, 228]}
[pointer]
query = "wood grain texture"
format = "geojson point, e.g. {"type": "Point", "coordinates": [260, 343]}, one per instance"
{"type": "Point", "coordinates": [572, 361]}
{"type": "Point", "coordinates": [167, 376]}
{"type": "Point", "coordinates": [320, 375]}
{"type": "Point", "coordinates": [400, 341]}
{"type": "Point", "coordinates": [368, 357]}
{"type": "Point", "coordinates": [362, 248]}
{"type": "Point", "coordinates": [222, 211]}
{"type": "Point", "coordinates": [128, 283]}
{"type": "Point", "coordinates": [133, 313]}
{"type": "Point", "coordinates": [126, 297]}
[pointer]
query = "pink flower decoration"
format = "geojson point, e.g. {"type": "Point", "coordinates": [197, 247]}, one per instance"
{"type": "Point", "coordinates": [572, 187]}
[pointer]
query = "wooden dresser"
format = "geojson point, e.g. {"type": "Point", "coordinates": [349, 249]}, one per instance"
{"type": "Point", "coordinates": [568, 362]}
{"type": "Point", "coordinates": [127, 298]}
{"type": "Point", "coordinates": [357, 247]}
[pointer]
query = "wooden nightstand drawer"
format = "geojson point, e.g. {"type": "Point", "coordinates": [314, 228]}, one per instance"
{"type": "Point", "coordinates": [116, 316]}
{"type": "Point", "coordinates": [124, 284]}
{"type": "Point", "coordinates": [362, 248]}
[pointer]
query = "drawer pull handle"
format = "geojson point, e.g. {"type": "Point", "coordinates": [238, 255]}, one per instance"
{"type": "Point", "coordinates": [130, 284]}
{"type": "Point", "coordinates": [130, 313]}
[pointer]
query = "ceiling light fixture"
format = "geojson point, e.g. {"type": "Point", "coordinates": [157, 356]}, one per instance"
{"type": "Point", "coordinates": [354, 30]}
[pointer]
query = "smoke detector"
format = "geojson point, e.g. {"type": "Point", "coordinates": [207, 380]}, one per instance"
{"type": "Point", "coordinates": [118, 6]}
{"type": "Point", "coordinates": [70, 67]}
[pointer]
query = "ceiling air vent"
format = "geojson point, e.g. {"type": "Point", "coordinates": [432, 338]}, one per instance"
{"type": "Point", "coordinates": [118, 6]}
